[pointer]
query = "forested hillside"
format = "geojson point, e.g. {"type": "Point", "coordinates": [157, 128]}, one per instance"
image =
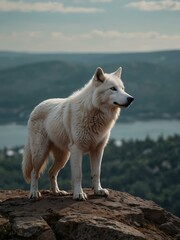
{"type": "Point", "coordinates": [149, 169]}
{"type": "Point", "coordinates": [27, 79]}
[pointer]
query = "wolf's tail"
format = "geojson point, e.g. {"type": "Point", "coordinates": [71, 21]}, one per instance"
{"type": "Point", "coordinates": [27, 162]}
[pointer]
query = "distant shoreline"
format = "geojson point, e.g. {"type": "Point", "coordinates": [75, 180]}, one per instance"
{"type": "Point", "coordinates": [15, 134]}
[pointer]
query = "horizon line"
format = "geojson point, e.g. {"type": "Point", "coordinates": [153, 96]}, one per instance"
{"type": "Point", "coordinates": [95, 52]}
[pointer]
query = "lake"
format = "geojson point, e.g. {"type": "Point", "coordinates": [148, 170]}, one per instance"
{"type": "Point", "coordinates": [15, 135]}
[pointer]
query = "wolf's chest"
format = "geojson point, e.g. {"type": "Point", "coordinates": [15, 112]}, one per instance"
{"type": "Point", "coordinates": [90, 130]}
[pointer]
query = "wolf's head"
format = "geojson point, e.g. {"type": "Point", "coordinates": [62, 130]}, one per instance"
{"type": "Point", "coordinates": [109, 89]}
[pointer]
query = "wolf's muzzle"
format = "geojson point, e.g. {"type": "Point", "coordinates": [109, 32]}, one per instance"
{"type": "Point", "coordinates": [129, 101]}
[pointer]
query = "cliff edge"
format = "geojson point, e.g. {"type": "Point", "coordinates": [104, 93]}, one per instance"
{"type": "Point", "coordinates": [118, 216]}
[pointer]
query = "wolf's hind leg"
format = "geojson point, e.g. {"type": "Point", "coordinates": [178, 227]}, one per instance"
{"type": "Point", "coordinates": [39, 150]}
{"type": "Point", "coordinates": [34, 192]}
{"type": "Point", "coordinates": [60, 159]}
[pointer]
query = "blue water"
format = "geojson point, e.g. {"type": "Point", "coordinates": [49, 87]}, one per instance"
{"type": "Point", "coordinates": [140, 130]}
{"type": "Point", "coordinates": [15, 135]}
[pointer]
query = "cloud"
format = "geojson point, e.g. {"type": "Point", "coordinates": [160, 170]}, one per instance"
{"type": "Point", "coordinates": [93, 1]}
{"type": "Point", "coordinates": [131, 35]}
{"type": "Point", "coordinates": [93, 41]}
{"type": "Point", "coordinates": [50, 6]}
{"type": "Point", "coordinates": [113, 34]}
{"type": "Point", "coordinates": [89, 35]}
{"type": "Point", "coordinates": [159, 5]}
{"type": "Point", "coordinates": [21, 35]}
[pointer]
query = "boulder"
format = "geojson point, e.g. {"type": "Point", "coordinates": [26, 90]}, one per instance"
{"type": "Point", "coordinates": [118, 216]}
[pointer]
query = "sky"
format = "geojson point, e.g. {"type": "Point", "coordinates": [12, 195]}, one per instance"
{"type": "Point", "coordinates": [89, 25]}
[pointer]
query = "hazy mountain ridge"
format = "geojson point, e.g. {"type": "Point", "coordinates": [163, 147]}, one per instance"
{"type": "Point", "coordinates": [13, 59]}
{"type": "Point", "coordinates": [155, 86]}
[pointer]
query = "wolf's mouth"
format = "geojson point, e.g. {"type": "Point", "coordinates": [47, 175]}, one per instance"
{"type": "Point", "coordinates": [121, 105]}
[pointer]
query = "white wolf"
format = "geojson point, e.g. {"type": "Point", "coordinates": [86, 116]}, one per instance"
{"type": "Point", "coordinates": [72, 126]}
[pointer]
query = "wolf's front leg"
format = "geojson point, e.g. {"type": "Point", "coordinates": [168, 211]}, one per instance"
{"type": "Point", "coordinates": [96, 159]}
{"type": "Point", "coordinates": [76, 171]}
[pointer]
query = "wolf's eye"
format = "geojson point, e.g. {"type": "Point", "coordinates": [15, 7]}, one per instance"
{"type": "Point", "coordinates": [113, 88]}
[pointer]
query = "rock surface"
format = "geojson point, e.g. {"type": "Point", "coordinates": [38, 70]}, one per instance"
{"type": "Point", "coordinates": [118, 216]}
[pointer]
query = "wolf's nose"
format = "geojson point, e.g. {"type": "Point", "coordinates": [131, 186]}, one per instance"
{"type": "Point", "coordinates": [130, 99]}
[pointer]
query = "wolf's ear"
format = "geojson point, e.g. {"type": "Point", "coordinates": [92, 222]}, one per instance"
{"type": "Point", "coordinates": [99, 75]}
{"type": "Point", "coordinates": [118, 72]}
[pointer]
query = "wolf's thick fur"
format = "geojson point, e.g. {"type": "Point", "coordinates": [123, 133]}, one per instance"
{"type": "Point", "coordinates": [72, 126]}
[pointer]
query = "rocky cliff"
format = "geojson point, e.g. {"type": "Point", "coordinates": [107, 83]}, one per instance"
{"type": "Point", "coordinates": [119, 216]}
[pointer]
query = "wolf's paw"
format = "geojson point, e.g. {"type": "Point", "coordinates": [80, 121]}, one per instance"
{"type": "Point", "coordinates": [60, 193]}
{"type": "Point", "coordinates": [101, 192]}
{"type": "Point", "coordinates": [80, 196]}
{"type": "Point", "coordinates": [34, 194]}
